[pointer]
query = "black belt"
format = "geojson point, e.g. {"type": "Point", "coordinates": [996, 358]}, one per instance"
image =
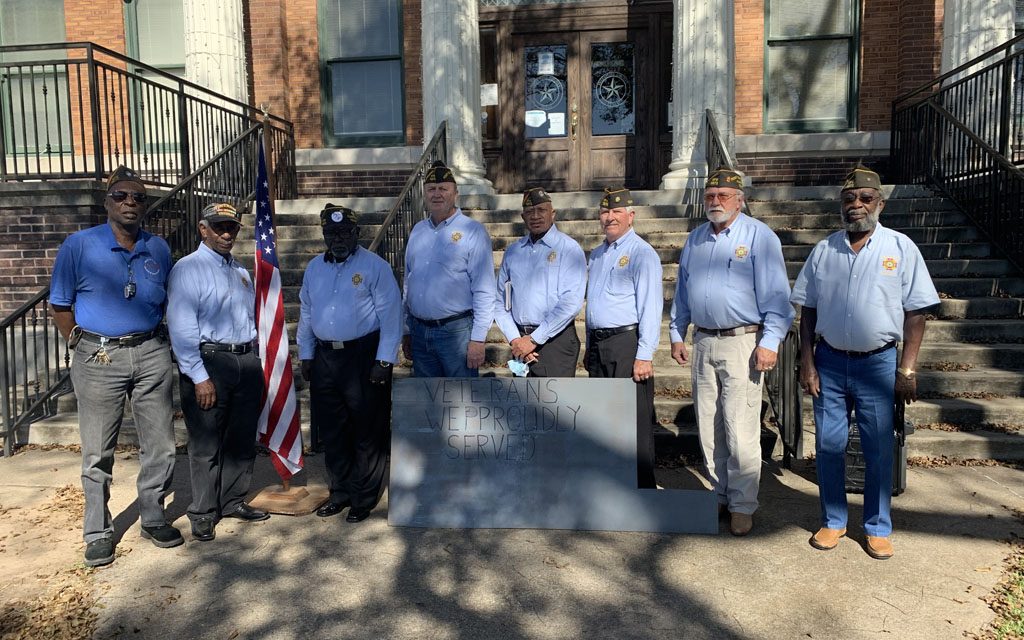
{"type": "Point", "coordinates": [345, 344]}
{"type": "Point", "coordinates": [601, 334]}
{"type": "Point", "coordinates": [861, 354]}
{"type": "Point", "coordinates": [209, 347]}
{"type": "Point", "coordinates": [130, 340]}
{"type": "Point", "coordinates": [444, 321]}
{"type": "Point", "coordinates": [734, 331]}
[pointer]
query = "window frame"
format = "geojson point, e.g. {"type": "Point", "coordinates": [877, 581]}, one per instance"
{"type": "Point", "coordinates": [343, 141]}
{"type": "Point", "coordinates": [853, 81]}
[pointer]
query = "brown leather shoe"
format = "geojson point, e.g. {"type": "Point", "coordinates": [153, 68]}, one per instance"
{"type": "Point", "coordinates": [826, 538]}
{"type": "Point", "coordinates": [879, 548]}
{"type": "Point", "coordinates": [740, 524]}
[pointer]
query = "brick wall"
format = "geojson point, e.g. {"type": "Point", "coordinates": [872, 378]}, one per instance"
{"type": "Point", "coordinates": [749, 34]}
{"type": "Point", "coordinates": [821, 171]}
{"type": "Point", "coordinates": [304, 73]}
{"type": "Point", "coordinates": [30, 235]}
{"type": "Point", "coordinates": [920, 44]}
{"type": "Point", "coordinates": [269, 62]}
{"type": "Point", "coordinates": [352, 184]}
{"type": "Point", "coordinates": [412, 32]}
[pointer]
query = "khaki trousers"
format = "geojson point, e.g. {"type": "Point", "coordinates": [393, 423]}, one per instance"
{"type": "Point", "coordinates": [727, 398]}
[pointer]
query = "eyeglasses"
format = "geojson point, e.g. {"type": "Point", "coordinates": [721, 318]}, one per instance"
{"type": "Point", "coordinates": [721, 197]}
{"type": "Point", "coordinates": [121, 196]}
{"type": "Point", "coordinates": [866, 198]}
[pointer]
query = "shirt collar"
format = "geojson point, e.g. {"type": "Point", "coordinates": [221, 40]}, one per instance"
{"type": "Point", "coordinates": [140, 240]}
{"type": "Point", "coordinates": [879, 231]}
{"type": "Point", "coordinates": [216, 257]}
{"type": "Point", "coordinates": [626, 236]}
{"type": "Point", "coordinates": [447, 221]}
{"type": "Point", "coordinates": [547, 239]}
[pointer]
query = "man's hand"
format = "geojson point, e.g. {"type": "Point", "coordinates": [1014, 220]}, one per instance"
{"type": "Point", "coordinates": [407, 347]}
{"type": "Point", "coordinates": [380, 374]}
{"type": "Point", "coordinates": [206, 395]}
{"type": "Point", "coordinates": [523, 346]}
{"type": "Point", "coordinates": [906, 388]}
{"type": "Point", "coordinates": [764, 359]}
{"type": "Point", "coordinates": [679, 353]}
{"type": "Point", "coordinates": [642, 370]}
{"type": "Point", "coordinates": [475, 354]}
{"type": "Point", "coordinates": [307, 370]}
{"type": "Point", "coordinates": [809, 380]}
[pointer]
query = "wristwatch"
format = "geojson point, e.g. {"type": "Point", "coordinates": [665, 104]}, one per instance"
{"type": "Point", "coordinates": [906, 372]}
{"type": "Point", "coordinates": [384, 363]}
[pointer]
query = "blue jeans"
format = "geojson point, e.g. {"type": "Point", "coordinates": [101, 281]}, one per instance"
{"type": "Point", "coordinates": [144, 375]}
{"type": "Point", "coordinates": [864, 384]}
{"type": "Point", "coordinates": [440, 352]}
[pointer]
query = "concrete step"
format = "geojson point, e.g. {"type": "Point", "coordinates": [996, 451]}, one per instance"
{"type": "Point", "coordinates": [975, 331]}
{"type": "Point", "coordinates": [998, 356]}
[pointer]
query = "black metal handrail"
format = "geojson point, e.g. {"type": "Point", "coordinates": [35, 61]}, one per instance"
{"type": "Point", "coordinates": [391, 238]}
{"type": "Point", "coordinates": [83, 109]}
{"type": "Point", "coordinates": [966, 138]}
{"type": "Point", "coordinates": [786, 398]}
{"type": "Point", "coordinates": [716, 152]}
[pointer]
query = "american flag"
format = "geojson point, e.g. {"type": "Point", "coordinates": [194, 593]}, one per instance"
{"type": "Point", "coordinates": [279, 418]}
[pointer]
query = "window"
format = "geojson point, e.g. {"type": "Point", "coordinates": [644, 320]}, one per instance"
{"type": "Point", "coordinates": [34, 98]}
{"type": "Point", "coordinates": [155, 35]}
{"type": "Point", "coordinates": [361, 72]}
{"type": "Point", "coordinates": [810, 65]}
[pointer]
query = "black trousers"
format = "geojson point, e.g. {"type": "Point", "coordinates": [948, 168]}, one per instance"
{"type": "Point", "coordinates": [222, 439]}
{"type": "Point", "coordinates": [558, 356]}
{"type": "Point", "coordinates": [353, 419]}
{"type": "Point", "coordinates": [613, 357]}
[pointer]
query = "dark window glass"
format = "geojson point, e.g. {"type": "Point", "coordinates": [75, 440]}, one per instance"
{"type": "Point", "coordinates": [546, 97]}
{"type": "Point", "coordinates": [612, 89]}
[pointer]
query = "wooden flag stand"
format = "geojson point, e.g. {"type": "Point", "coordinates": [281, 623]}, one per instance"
{"type": "Point", "coordinates": [287, 500]}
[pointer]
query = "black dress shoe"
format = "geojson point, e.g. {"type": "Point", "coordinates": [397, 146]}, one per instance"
{"type": "Point", "coordinates": [203, 529]}
{"type": "Point", "coordinates": [99, 552]}
{"type": "Point", "coordinates": [247, 513]}
{"type": "Point", "coordinates": [332, 508]}
{"type": "Point", "coordinates": [163, 535]}
{"type": "Point", "coordinates": [357, 515]}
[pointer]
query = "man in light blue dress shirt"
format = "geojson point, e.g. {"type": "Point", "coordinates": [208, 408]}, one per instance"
{"type": "Point", "coordinates": [211, 309]}
{"type": "Point", "coordinates": [733, 288]}
{"type": "Point", "coordinates": [350, 325]}
{"type": "Point", "coordinates": [541, 284]}
{"type": "Point", "coordinates": [449, 285]}
{"type": "Point", "coordinates": [624, 307]}
{"type": "Point", "coordinates": [862, 290]}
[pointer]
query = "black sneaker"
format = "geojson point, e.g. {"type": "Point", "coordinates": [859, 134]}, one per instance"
{"type": "Point", "coordinates": [99, 552]}
{"type": "Point", "coordinates": [163, 535]}
{"type": "Point", "coordinates": [203, 529]}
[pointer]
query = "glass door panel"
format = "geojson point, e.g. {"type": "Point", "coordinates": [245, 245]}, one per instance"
{"type": "Point", "coordinates": [613, 89]}
{"type": "Point", "coordinates": [547, 97]}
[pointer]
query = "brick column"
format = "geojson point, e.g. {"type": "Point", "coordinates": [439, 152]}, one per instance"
{"type": "Point", "coordinates": [703, 78]}
{"type": "Point", "coordinates": [451, 86]}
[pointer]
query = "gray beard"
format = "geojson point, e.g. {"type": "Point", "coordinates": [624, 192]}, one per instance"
{"type": "Point", "coordinates": [718, 217]}
{"type": "Point", "coordinates": [868, 223]}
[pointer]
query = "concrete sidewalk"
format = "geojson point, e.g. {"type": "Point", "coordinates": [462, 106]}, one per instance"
{"type": "Point", "coordinates": [323, 578]}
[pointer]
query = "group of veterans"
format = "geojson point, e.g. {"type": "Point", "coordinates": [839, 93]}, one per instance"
{"type": "Point", "coordinates": [862, 290]}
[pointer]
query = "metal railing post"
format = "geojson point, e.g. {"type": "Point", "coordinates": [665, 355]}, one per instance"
{"type": "Point", "coordinates": [184, 145]}
{"type": "Point", "coordinates": [94, 110]}
{"type": "Point", "coordinates": [5, 399]}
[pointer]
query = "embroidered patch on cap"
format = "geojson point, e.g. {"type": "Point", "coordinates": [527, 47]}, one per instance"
{"type": "Point", "coordinates": [337, 216]}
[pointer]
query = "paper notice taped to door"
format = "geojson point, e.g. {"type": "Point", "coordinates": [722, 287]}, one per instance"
{"type": "Point", "coordinates": [546, 63]}
{"type": "Point", "coordinates": [556, 124]}
{"type": "Point", "coordinates": [536, 118]}
{"type": "Point", "coordinates": [488, 95]}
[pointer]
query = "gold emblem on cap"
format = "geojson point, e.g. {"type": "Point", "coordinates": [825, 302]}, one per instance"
{"type": "Point", "coordinates": [356, 279]}
{"type": "Point", "coordinates": [456, 236]}
{"type": "Point", "coordinates": [623, 261]}
{"type": "Point", "coordinates": [552, 256]}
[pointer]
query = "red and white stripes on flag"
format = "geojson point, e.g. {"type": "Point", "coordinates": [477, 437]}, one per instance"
{"type": "Point", "coordinates": [279, 418]}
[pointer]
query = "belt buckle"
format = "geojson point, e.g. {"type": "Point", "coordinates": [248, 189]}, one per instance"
{"type": "Point", "coordinates": [336, 344]}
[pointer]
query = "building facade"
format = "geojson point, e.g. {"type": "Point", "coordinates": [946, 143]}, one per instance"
{"type": "Point", "coordinates": [572, 95]}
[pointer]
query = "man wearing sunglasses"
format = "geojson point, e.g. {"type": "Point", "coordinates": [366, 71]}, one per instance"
{"type": "Point", "coordinates": [862, 289]}
{"type": "Point", "coordinates": [211, 319]}
{"type": "Point", "coordinates": [108, 293]}
{"type": "Point", "coordinates": [733, 289]}
{"type": "Point", "coordinates": [350, 327]}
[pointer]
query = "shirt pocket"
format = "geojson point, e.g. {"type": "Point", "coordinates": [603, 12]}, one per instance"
{"type": "Point", "coordinates": [886, 292]}
{"type": "Point", "coordinates": [740, 273]}
{"type": "Point", "coordinates": [620, 282]}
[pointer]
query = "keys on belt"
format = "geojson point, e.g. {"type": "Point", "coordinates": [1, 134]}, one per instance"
{"type": "Point", "coordinates": [734, 331]}
{"type": "Point", "coordinates": [210, 347]}
{"type": "Point", "coordinates": [130, 340]}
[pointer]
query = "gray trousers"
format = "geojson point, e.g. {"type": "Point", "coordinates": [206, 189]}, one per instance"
{"type": "Point", "coordinates": [143, 374]}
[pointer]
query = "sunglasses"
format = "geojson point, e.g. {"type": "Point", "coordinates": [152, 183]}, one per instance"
{"type": "Point", "coordinates": [121, 196]}
{"type": "Point", "coordinates": [866, 198]}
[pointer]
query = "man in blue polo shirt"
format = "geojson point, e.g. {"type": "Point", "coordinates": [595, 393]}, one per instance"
{"type": "Point", "coordinates": [862, 289]}
{"type": "Point", "coordinates": [449, 285]}
{"type": "Point", "coordinates": [211, 307]}
{"type": "Point", "coordinates": [733, 288]}
{"type": "Point", "coordinates": [624, 306]}
{"type": "Point", "coordinates": [108, 292]}
{"type": "Point", "coordinates": [541, 284]}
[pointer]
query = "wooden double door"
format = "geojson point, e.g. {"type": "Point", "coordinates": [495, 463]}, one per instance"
{"type": "Point", "coordinates": [579, 116]}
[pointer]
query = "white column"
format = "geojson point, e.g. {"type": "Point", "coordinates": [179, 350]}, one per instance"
{"type": "Point", "coordinates": [451, 87]}
{"type": "Point", "coordinates": [972, 27]}
{"type": "Point", "coordinates": [703, 78]}
{"type": "Point", "coordinates": [215, 47]}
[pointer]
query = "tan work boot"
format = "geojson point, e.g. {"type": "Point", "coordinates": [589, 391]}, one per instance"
{"type": "Point", "coordinates": [879, 548]}
{"type": "Point", "coordinates": [826, 538]}
{"type": "Point", "coordinates": [741, 524]}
